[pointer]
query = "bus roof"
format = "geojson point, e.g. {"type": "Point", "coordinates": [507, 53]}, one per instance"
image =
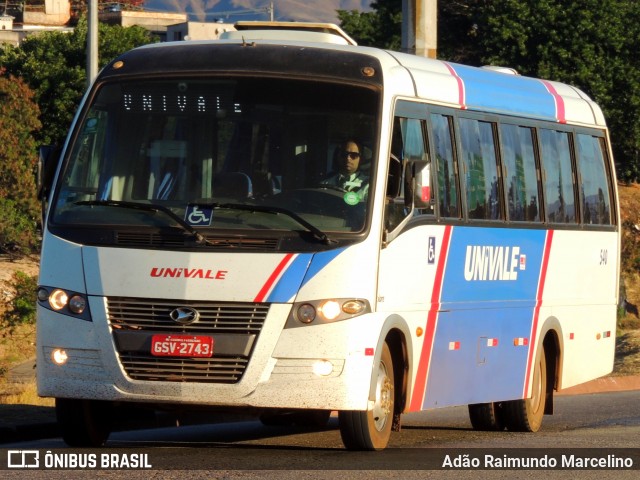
{"type": "Point", "coordinates": [491, 90]}
{"type": "Point", "coordinates": [499, 90]}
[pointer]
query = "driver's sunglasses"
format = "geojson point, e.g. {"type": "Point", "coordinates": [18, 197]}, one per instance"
{"type": "Point", "coordinates": [352, 155]}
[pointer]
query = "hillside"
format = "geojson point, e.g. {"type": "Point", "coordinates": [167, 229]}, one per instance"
{"type": "Point", "coordinates": [628, 334]}
{"type": "Point", "coordinates": [630, 215]}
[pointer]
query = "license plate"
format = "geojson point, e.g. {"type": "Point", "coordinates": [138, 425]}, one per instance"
{"type": "Point", "coordinates": [181, 346]}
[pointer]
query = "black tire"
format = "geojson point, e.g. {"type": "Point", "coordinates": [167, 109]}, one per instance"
{"type": "Point", "coordinates": [526, 415]}
{"type": "Point", "coordinates": [371, 430]}
{"type": "Point", "coordinates": [487, 417]}
{"type": "Point", "coordinates": [84, 423]}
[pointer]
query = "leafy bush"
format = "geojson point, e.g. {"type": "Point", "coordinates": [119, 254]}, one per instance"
{"type": "Point", "coordinates": [19, 209]}
{"type": "Point", "coordinates": [22, 307]}
{"type": "Point", "coordinates": [18, 231]}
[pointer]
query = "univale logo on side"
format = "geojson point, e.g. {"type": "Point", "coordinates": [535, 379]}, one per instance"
{"type": "Point", "coordinates": [487, 263]}
{"type": "Point", "coordinates": [179, 272]}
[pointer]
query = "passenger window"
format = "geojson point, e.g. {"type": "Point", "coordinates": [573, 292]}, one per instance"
{"type": "Point", "coordinates": [445, 172]}
{"type": "Point", "coordinates": [480, 169]}
{"type": "Point", "coordinates": [594, 186]}
{"type": "Point", "coordinates": [558, 182]}
{"type": "Point", "coordinates": [521, 181]}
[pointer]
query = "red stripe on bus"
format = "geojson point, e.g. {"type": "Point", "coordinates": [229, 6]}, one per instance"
{"type": "Point", "coordinates": [419, 388]}
{"type": "Point", "coordinates": [461, 94]}
{"type": "Point", "coordinates": [262, 294]}
{"type": "Point", "coordinates": [536, 312]}
{"type": "Point", "coordinates": [559, 101]}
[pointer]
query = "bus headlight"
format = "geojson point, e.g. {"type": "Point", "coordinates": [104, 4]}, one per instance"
{"type": "Point", "coordinates": [64, 301]}
{"type": "Point", "coordinates": [326, 311]}
{"type": "Point", "coordinates": [77, 304]}
{"type": "Point", "coordinates": [330, 310]}
{"type": "Point", "coordinates": [306, 313]}
{"type": "Point", "coordinates": [58, 299]}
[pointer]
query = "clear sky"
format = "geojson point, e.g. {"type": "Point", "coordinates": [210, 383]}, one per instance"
{"type": "Point", "coordinates": [236, 10]}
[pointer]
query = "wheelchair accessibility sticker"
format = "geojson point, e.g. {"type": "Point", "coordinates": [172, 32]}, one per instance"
{"type": "Point", "coordinates": [198, 216]}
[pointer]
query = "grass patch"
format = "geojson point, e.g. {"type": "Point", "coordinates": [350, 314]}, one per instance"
{"type": "Point", "coordinates": [23, 394]}
{"type": "Point", "coordinates": [16, 347]}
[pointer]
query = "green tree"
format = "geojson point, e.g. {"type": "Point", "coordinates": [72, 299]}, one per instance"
{"type": "Point", "coordinates": [19, 209]}
{"type": "Point", "coordinates": [590, 44]}
{"type": "Point", "coordinates": [381, 28]}
{"type": "Point", "coordinates": [54, 65]}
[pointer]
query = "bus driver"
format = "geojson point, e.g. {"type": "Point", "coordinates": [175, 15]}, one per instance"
{"type": "Point", "coordinates": [350, 177]}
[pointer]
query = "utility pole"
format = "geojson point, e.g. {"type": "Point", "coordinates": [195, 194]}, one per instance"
{"type": "Point", "coordinates": [420, 27]}
{"type": "Point", "coordinates": [92, 41]}
{"type": "Point", "coordinates": [270, 10]}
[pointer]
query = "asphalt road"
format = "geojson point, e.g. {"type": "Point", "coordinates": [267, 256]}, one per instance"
{"type": "Point", "coordinates": [602, 424]}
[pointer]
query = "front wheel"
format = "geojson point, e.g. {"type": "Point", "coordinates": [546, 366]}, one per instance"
{"type": "Point", "coordinates": [370, 430]}
{"type": "Point", "coordinates": [526, 415]}
{"type": "Point", "coordinates": [84, 423]}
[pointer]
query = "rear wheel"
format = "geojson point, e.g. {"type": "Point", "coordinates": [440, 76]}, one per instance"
{"type": "Point", "coordinates": [84, 423]}
{"type": "Point", "coordinates": [371, 430]}
{"type": "Point", "coordinates": [487, 416]}
{"type": "Point", "coordinates": [526, 415]}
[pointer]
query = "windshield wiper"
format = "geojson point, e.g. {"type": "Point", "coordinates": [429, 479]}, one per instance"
{"type": "Point", "coordinates": [148, 207]}
{"type": "Point", "coordinates": [317, 233]}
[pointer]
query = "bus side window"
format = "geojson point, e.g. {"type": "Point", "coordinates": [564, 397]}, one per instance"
{"type": "Point", "coordinates": [444, 167]}
{"type": "Point", "coordinates": [482, 185]}
{"type": "Point", "coordinates": [559, 195]}
{"type": "Point", "coordinates": [594, 184]}
{"type": "Point", "coordinates": [521, 180]}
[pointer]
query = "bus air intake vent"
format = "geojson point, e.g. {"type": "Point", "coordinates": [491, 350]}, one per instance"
{"type": "Point", "coordinates": [134, 239]}
{"type": "Point", "coordinates": [242, 243]}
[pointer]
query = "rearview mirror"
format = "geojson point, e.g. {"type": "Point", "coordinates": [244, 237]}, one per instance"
{"type": "Point", "coordinates": [422, 185]}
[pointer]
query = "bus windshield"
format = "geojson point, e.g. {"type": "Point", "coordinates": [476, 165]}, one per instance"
{"type": "Point", "coordinates": [272, 148]}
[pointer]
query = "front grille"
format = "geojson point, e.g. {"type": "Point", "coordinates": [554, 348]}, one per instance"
{"type": "Point", "coordinates": [166, 369]}
{"type": "Point", "coordinates": [235, 327]}
{"type": "Point", "coordinates": [153, 315]}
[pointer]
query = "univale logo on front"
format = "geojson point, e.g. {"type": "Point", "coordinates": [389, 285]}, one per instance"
{"type": "Point", "coordinates": [179, 272]}
{"type": "Point", "coordinates": [489, 263]}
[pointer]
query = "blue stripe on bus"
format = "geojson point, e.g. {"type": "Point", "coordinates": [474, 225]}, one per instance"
{"type": "Point", "coordinates": [504, 93]}
{"type": "Point", "coordinates": [290, 281]}
{"type": "Point", "coordinates": [321, 260]}
{"type": "Point", "coordinates": [489, 291]}
{"type": "Point", "coordinates": [299, 273]}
